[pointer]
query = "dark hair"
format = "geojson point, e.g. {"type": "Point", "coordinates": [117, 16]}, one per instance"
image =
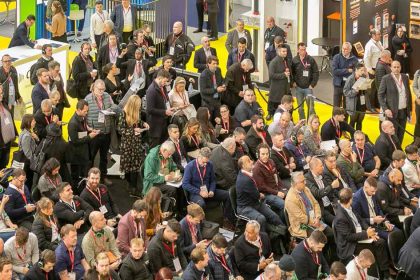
{"type": "Point", "coordinates": [203, 117]}
{"type": "Point", "coordinates": [411, 149]}
{"type": "Point", "coordinates": [18, 172]}
{"type": "Point", "coordinates": [43, 204]}
{"type": "Point", "coordinates": [219, 241]}
{"type": "Point", "coordinates": [398, 155]}
{"type": "Point", "coordinates": [318, 237]}
{"type": "Point", "coordinates": [3, 262]}
{"type": "Point", "coordinates": [286, 99]}
{"type": "Point", "coordinates": [26, 121]}
{"type": "Point", "coordinates": [81, 104]}
{"type": "Point", "coordinates": [167, 57]}
{"type": "Point", "coordinates": [255, 118]}
{"type": "Point", "coordinates": [140, 206]}
{"type": "Point", "coordinates": [242, 40]}
{"type": "Point", "coordinates": [107, 68]}
{"type": "Point", "coordinates": [62, 186]}
{"type": "Point", "coordinates": [283, 46]}
{"type": "Point", "coordinates": [98, 2]}
{"type": "Point", "coordinates": [163, 74]}
{"type": "Point", "coordinates": [172, 126]}
{"type": "Point", "coordinates": [94, 170]}
{"type": "Point", "coordinates": [338, 111]}
{"type": "Point", "coordinates": [30, 17]}
{"type": "Point", "coordinates": [164, 273]}
{"type": "Point", "coordinates": [278, 39]}
{"type": "Point", "coordinates": [262, 146]}
{"type": "Point", "coordinates": [21, 235]}
{"type": "Point", "coordinates": [301, 44]}
{"type": "Point", "coordinates": [48, 256]}
{"type": "Point", "coordinates": [154, 214]}
{"type": "Point", "coordinates": [345, 195]}
{"type": "Point", "coordinates": [337, 269]}
{"type": "Point", "coordinates": [49, 166]}
{"type": "Point", "coordinates": [212, 58]}
{"type": "Point", "coordinates": [175, 226]}
{"type": "Point", "coordinates": [359, 65]}
{"type": "Point", "coordinates": [372, 181]}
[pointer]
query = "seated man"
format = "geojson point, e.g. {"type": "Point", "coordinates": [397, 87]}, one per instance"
{"type": "Point", "coordinates": [132, 225]}
{"type": "Point", "coordinates": [180, 155]}
{"type": "Point", "coordinates": [366, 155]}
{"type": "Point", "coordinates": [249, 200]}
{"type": "Point", "coordinates": [246, 109]}
{"type": "Point", "coordinates": [338, 271]}
{"type": "Point", "coordinates": [324, 193]}
{"type": "Point", "coordinates": [283, 159]}
{"type": "Point", "coordinates": [271, 271]}
{"type": "Point", "coordinates": [44, 269]}
{"type": "Point", "coordinates": [190, 230]}
{"type": "Point", "coordinates": [103, 269]}
{"type": "Point", "coordinates": [19, 208]}
{"type": "Point", "coordinates": [22, 250]}
{"type": "Point", "coordinates": [99, 198]}
{"type": "Point", "coordinates": [347, 160]}
{"type": "Point", "coordinates": [225, 168]}
{"type": "Point", "coordinates": [285, 126]}
{"type": "Point", "coordinates": [165, 249]}
{"type": "Point", "coordinates": [198, 266]}
{"type": "Point", "coordinates": [350, 229]}
{"type": "Point", "coordinates": [386, 144]}
{"type": "Point", "coordinates": [135, 264]}
{"type": "Point", "coordinates": [299, 150]}
{"type": "Point", "coordinates": [333, 128]}
{"type": "Point", "coordinates": [159, 168]}
{"type": "Point", "coordinates": [220, 265]}
{"type": "Point", "coordinates": [407, 259]}
{"type": "Point", "coordinates": [411, 169]}
{"type": "Point", "coordinates": [43, 117]}
{"type": "Point", "coordinates": [286, 105]}
{"type": "Point", "coordinates": [308, 256]}
{"type": "Point", "coordinates": [287, 265]}
{"type": "Point", "coordinates": [200, 183]}
{"type": "Point", "coordinates": [100, 239]}
{"type": "Point", "coordinates": [333, 172]}
{"type": "Point", "coordinates": [72, 209]}
{"type": "Point", "coordinates": [252, 251]}
{"type": "Point", "coordinates": [357, 268]}
{"type": "Point", "coordinates": [241, 149]}
{"type": "Point", "coordinates": [256, 135]}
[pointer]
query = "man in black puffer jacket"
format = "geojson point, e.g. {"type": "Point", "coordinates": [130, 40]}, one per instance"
{"type": "Point", "coordinates": [135, 265]}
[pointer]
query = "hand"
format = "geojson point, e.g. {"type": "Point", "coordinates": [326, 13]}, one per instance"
{"type": "Point", "coordinates": [224, 131]}
{"type": "Point", "coordinates": [372, 72]}
{"type": "Point", "coordinates": [292, 166]}
{"type": "Point", "coordinates": [335, 184]}
{"type": "Point", "coordinates": [13, 226]}
{"type": "Point", "coordinates": [47, 26]}
{"type": "Point", "coordinates": [115, 264]}
{"type": "Point", "coordinates": [270, 259]}
{"type": "Point", "coordinates": [262, 196]}
{"type": "Point", "coordinates": [34, 136]}
{"type": "Point", "coordinates": [407, 211]}
{"type": "Point", "coordinates": [123, 52]}
{"type": "Point", "coordinates": [78, 224]}
{"type": "Point", "coordinates": [130, 77]}
{"type": "Point", "coordinates": [5, 198]}
{"type": "Point", "coordinates": [281, 194]}
{"type": "Point", "coordinates": [388, 113]}
{"type": "Point", "coordinates": [301, 122]}
{"type": "Point", "coordinates": [353, 157]}
{"type": "Point", "coordinates": [169, 112]}
{"type": "Point", "coordinates": [169, 177]}
{"type": "Point", "coordinates": [202, 244]}
{"type": "Point", "coordinates": [262, 264]}
{"type": "Point", "coordinates": [218, 120]}
{"type": "Point", "coordinates": [378, 219]}
{"type": "Point", "coordinates": [111, 222]}
{"type": "Point", "coordinates": [374, 173]}
{"type": "Point", "coordinates": [93, 133]}
{"type": "Point", "coordinates": [25, 270]}
{"type": "Point", "coordinates": [30, 208]}
{"type": "Point", "coordinates": [211, 194]}
{"type": "Point", "coordinates": [310, 87]}
{"type": "Point", "coordinates": [93, 45]}
{"type": "Point", "coordinates": [317, 222]}
{"type": "Point", "coordinates": [241, 93]}
{"type": "Point", "coordinates": [370, 232]}
{"type": "Point", "coordinates": [56, 119]}
{"type": "Point", "coordinates": [204, 194]}
{"type": "Point", "coordinates": [146, 126]}
{"type": "Point", "coordinates": [137, 130]}
{"type": "Point", "coordinates": [389, 226]}
{"type": "Point", "coordinates": [287, 73]}
{"type": "Point", "coordinates": [220, 89]}
{"type": "Point", "coordinates": [158, 227]}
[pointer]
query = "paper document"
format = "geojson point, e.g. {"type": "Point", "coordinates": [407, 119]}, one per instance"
{"type": "Point", "coordinates": [107, 113]}
{"type": "Point", "coordinates": [362, 84]}
{"type": "Point", "coordinates": [175, 184]}
{"type": "Point", "coordinates": [367, 241]}
{"type": "Point", "coordinates": [328, 145]}
{"type": "Point", "coordinates": [403, 217]}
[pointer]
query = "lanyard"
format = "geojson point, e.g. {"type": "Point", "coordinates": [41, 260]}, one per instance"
{"type": "Point", "coordinates": [362, 273]}
{"type": "Point", "coordinates": [139, 232]}
{"type": "Point", "coordinates": [202, 176]}
{"type": "Point", "coordinates": [178, 148]}
{"type": "Point", "coordinates": [183, 97]}
{"type": "Point", "coordinates": [267, 166]}
{"type": "Point", "coordinates": [223, 262]}
{"type": "Point", "coordinates": [193, 232]}
{"type": "Point", "coordinates": [100, 104]}
{"type": "Point", "coordinates": [167, 248]}
{"type": "Point", "coordinates": [314, 256]}
{"type": "Point", "coordinates": [101, 16]}
{"type": "Point", "coordinates": [283, 156]}
{"type": "Point", "coordinates": [55, 183]}
{"type": "Point", "coordinates": [299, 148]}
{"type": "Point", "coordinates": [226, 125]}
{"type": "Point", "coordinates": [102, 244]}
{"type": "Point", "coordinates": [196, 142]}
{"type": "Point", "coordinates": [304, 63]}
{"type": "Point", "coordinates": [361, 156]}
{"type": "Point", "coordinates": [162, 92]}
{"type": "Point", "coordinates": [214, 80]}
{"type": "Point", "coordinates": [72, 206]}
{"type": "Point", "coordinates": [337, 128]}
{"type": "Point", "coordinates": [97, 197]}
{"type": "Point", "coordinates": [139, 67]}
{"type": "Point", "coordinates": [392, 141]}
{"type": "Point", "coordinates": [22, 258]}
{"type": "Point", "coordinates": [240, 57]}
{"type": "Point", "coordinates": [48, 119]}
{"type": "Point", "coordinates": [398, 82]}
{"type": "Point", "coordinates": [244, 78]}
{"type": "Point", "coordinates": [71, 256]}
{"type": "Point", "coordinates": [113, 54]}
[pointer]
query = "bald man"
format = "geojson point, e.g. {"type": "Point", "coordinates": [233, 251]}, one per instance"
{"type": "Point", "coordinates": [202, 54]}
{"type": "Point", "coordinates": [383, 67]}
{"type": "Point", "coordinates": [347, 160]}
{"type": "Point", "coordinates": [271, 32]}
{"type": "Point", "coordinates": [179, 46]}
{"type": "Point", "coordinates": [386, 144]}
{"type": "Point", "coordinates": [395, 98]}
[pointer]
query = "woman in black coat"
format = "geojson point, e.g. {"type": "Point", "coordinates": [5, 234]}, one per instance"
{"type": "Point", "coordinates": [402, 48]}
{"type": "Point", "coordinates": [45, 225]}
{"type": "Point", "coordinates": [83, 71]}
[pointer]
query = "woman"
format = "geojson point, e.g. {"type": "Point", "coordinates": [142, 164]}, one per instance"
{"type": "Point", "coordinates": [45, 225]}
{"type": "Point", "coordinates": [402, 48]}
{"type": "Point", "coordinates": [83, 71]}
{"type": "Point", "coordinates": [8, 132]}
{"type": "Point", "coordinates": [27, 143]}
{"type": "Point", "coordinates": [226, 124]}
{"type": "Point", "coordinates": [154, 215]}
{"type": "Point", "coordinates": [207, 129]}
{"type": "Point", "coordinates": [416, 88]}
{"type": "Point", "coordinates": [312, 137]}
{"type": "Point", "coordinates": [178, 98]}
{"type": "Point", "coordinates": [192, 138]}
{"type": "Point", "coordinates": [132, 150]}
{"type": "Point", "coordinates": [58, 27]}
{"type": "Point", "coordinates": [167, 66]}
{"type": "Point", "coordinates": [164, 273]}
{"type": "Point", "coordinates": [7, 228]}
{"type": "Point", "coordinates": [50, 179]}
{"type": "Point", "coordinates": [112, 81]}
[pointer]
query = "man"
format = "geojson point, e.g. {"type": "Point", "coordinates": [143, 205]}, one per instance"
{"type": "Point", "coordinates": [305, 77]}
{"type": "Point", "coordinates": [179, 157]}
{"type": "Point", "coordinates": [202, 54]}
{"type": "Point", "coordinates": [197, 268]}
{"type": "Point", "coordinates": [72, 209]}
{"type": "Point", "coordinates": [100, 239]}
{"type": "Point", "coordinates": [22, 250]}
{"type": "Point", "coordinates": [242, 149]}
{"type": "Point", "coordinates": [125, 18]}
{"type": "Point", "coordinates": [42, 62]}
{"type": "Point", "coordinates": [256, 135]}
{"type": "Point", "coordinates": [199, 4]}
{"type": "Point", "coordinates": [44, 116]}
{"type": "Point", "coordinates": [323, 192]}
{"type": "Point", "coordinates": [308, 256]}
{"type": "Point", "coordinates": [158, 108]}
{"type": "Point", "coordinates": [298, 149]}
{"type": "Point", "coordinates": [406, 259]}
{"type": "Point", "coordinates": [333, 172]}
{"type": "Point", "coordinates": [280, 79]}
{"type": "Point", "coordinates": [271, 32]}
{"type": "Point", "coordinates": [108, 54]}
{"type": "Point", "coordinates": [212, 87]}
{"type": "Point", "coordinates": [6, 268]}
{"type": "Point", "coordinates": [237, 80]}
{"type": "Point", "coordinates": [342, 66]}
{"type": "Point", "coordinates": [140, 41]}
{"type": "Point", "coordinates": [252, 251]}
{"type": "Point", "coordinates": [135, 264]}
{"type": "Point", "coordinates": [97, 21]}
{"type": "Point", "coordinates": [250, 202]}
{"type": "Point", "coordinates": [240, 53]}
{"type": "Point", "coordinates": [179, 46]}
{"type": "Point", "coordinates": [70, 260]}
{"type": "Point", "coordinates": [237, 33]}
{"type": "Point", "coordinates": [338, 271]}
{"type": "Point", "coordinates": [57, 86]}
{"type": "Point", "coordinates": [99, 198]}
{"type": "Point", "coordinates": [347, 160]}
{"type": "Point", "coordinates": [132, 225]}
{"type": "Point", "coordinates": [20, 207]}
{"type": "Point", "coordinates": [159, 168]}
{"type": "Point", "coordinates": [286, 105]}
{"type": "Point", "coordinates": [199, 182]}
{"type": "Point", "coordinates": [103, 269]}
{"type": "Point", "coordinates": [411, 169]}
{"type": "Point", "coordinates": [386, 144]}
{"type": "Point", "coordinates": [220, 265]}
{"type": "Point", "coordinates": [80, 135]}
{"type": "Point", "coordinates": [287, 266]}
{"type": "Point", "coordinates": [366, 205]}
{"type": "Point", "coordinates": [271, 52]}
{"type": "Point", "coordinates": [366, 155]}
{"type": "Point", "coordinates": [282, 158]}
{"type": "Point", "coordinates": [271, 271]}
{"type": "Point", "coordinates": [98, 102]}
{"type": "Point", "coordinates": [44, 269]}
{"type": "Point", "coordinates": [9, 80]}
{"type": "Point", "coordinates": [285, 126]}
{"type": "Point", "coordinates": [21, 34]}
{"type": "Point", "coordinates": [357, 268]}
{"type": "Point", "coordinates": [191, 237]}
{"type": "Point", "coordinates": [224, 164]}
{"type": "Point", "coordinates": [371, 56]}
{"type": "Point", "coordinates": [247, 108]}
{"type": "Point", "coordinates": [350, 229]}
{"type": "Point", "coordinates": [41, 90]}
{"type": "Point", "coordinates": [165, 249]}
{"type": "Point", "coordinates": [335, 127]}
{"type": "Point", "coordinates": [395, 98]}
{"type": "Point", "coordinates": [383, 67]}
{"type": "Point", "coordinates": [108, 30]}
{"type": "Point", "coordinates": [212, 11]}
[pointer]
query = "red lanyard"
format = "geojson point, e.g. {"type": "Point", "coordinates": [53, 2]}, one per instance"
{"type": "Point", "coordinates": [283, 156]}
{"type": "Point", "coordinates": [337, 128]}
{"type": "Point", "coordinates": [267, 166]}
{"type": "Point", "coordinates": [139, 232]}
{"type": "Point", "coordinates": [55, 184]}
{"type": "Point", "coordinates": [113, 55]}
{"type": "Point", "coordinates": [197, 144]}
{"type": "Point", "coordinates": [48, 119]}
{"type": "Point", "coordinates": [362, 273]}
{"type": "Point", "coordinates": [178, 148]}
{"type": "Point", "coordinates": [139, 67]}
{"type": "Point", "coordinates": [225, 125]}
{"type": "Point", "coordinates": [223, 262]}
{"type": "Point", "coordinates": [305, 65]}
{"type": "Point", "coordinates": [162, 92]}
{"type": "Point", "coordinates": [22, 258]}
{"type": "Point", "coordinates": [299, 148]}
{"type": "Point", "coordinates": [398, 82]}
{"type": "Point", "coordinates": [71, 256]}
{"type": "Point", "coordinates": [361, 156]}
{"type": "Point", "coordinates": [97, 197]}
{"type": "Point", "coordinates": [202, 176]}
{"type": "Point", "coordinates": [244, 78]}
{"type": "Point", "coordinates": [314, 256]}
{"type": "Point", "coordinates": [214, 80]}
{"type": "Point", "coordinates": [99, 102]}
{"type": "Point", "coordinates": [171, 251]}
{"type": "Point", "coordinates": [183, 97]}
{"type": "Point", "coordinates": [240, 57]}
{"type": "Point", "coordinates": [262, 136]}
{"type": "Point", "coordinates": [193, 232]}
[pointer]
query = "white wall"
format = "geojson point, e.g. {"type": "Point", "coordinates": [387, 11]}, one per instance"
{"type": "Point", "coordinates": [315, 21]}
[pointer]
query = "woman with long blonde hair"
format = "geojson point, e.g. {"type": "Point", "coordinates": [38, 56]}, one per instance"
{"type": "Point", "coordinates": [192, 138]}
{"type": "Point", "coordinates": [312, 136]}
{"type": "Point", "coordinates": [132, 149]}
{"type": "Point", "coordinates": [58, 26]}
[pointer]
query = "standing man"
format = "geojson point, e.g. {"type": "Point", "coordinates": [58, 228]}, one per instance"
{"type": "Point", "coordinates": [271, 52]}
{"type": "Point", "coordinates": [383, 67]}
{"type": "Point", "coordinates": [234, 35]}
{"type": "Point", "coordinates": [108, 54]}
{"type": "Point", "coordinates": [179, 46]}
{"type": "Point", "coordinates": [42, 62]}
{"type": "Point", "coordinates": [9, 81]}
{"type": "Point", "coordinates": [202, 54]}
{"type": "Point", "coordinates": [271, 32]}
{"type": "Point", "coordinates": [22, 32]}
{"type": "Point", "coordinates": [240, 53]}
{"type": "Point", "coordinates": [372, 54]}
{"type": "Point", "coordinates": [238, 80]}
{"type": "Point", "coordinates": [212, 10]}
{"type": "Point", "coordinates": [124, 17]}
{"type": "Point", "coordinates": [395, 98]}
{"type": "Point", "coordinates": [305, 77]}
{"type": "Point", "coordinates": [199, 4]}
{"type": "Point", "coordinates": [97, 21]}
{"type": "Point", "coordinates": [41, 89]}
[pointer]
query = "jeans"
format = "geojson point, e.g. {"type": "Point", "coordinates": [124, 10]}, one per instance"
{"type": "Point", "coordinates": [301, 94]}
{"type": "Point", "coordinates": [262, 214]}
{"type": "Point", "coordinates": [219, 195]}
{"type": "Point", "coordinates": [275, 201]}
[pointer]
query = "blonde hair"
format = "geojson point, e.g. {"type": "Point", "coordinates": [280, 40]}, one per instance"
{"type": "Point", "coordinates": [192, 122]}
{"type": "Point", "coordinates": [310, 120]}
{"type": "Point", "coordinates": [132, 110]}
{"type": "Point", "coordinates": [136, 242]}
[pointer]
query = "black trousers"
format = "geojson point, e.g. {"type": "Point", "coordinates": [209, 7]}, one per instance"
{"type": "Point", "coordinates": [4, 155]}
{"type": "Point", "coordinates": [339, 99]}
{"type": "Point", "coordinates": [78, 172]}
{"type": "Point", "coordinates": [100, 143]}
{"type": "Point", "coordinates": [272, 107]}
{"type": "Point", "coordinates": [356, 120]}
{"type": "Point", "coordinates": [200, 13]}
{"type": "Point", "coordinates": [213, 25]}
{"type": "Point", "coordinates": [400, 121]}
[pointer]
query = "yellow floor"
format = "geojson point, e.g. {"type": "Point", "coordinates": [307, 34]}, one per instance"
{"type": "Point", "coordinates": [12, 6]}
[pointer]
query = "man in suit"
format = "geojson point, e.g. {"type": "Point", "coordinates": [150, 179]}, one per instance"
{"type": "Point", "coordinates": [366, 154]}
{"type": "Point", "coordinates": [108, 54]}
{"type": "Point", "coordinates": [350, 228]}
{"type": "Point", "coordinates": [41, 89]}
{"type": "Point", "coordinates": [234, 35]}
{"type": "Point", "coordinates": [382, 67]}
{"type": "Point", "coordinates": [386, 144]}
{"type": "Point", "coordinates": [334, 128]}
{"type": "Point", "coordinates": [395, 98]}
{"type": "Point", "coordinates": [202, 54]}
{"type": "Point", "coordinates": [224, 165]}
{"type": "Point", "coordinates": [179, 46]}
{"type": "Point", "coordinates": [43, 117]}
{"type": "Point", "coordinates": [191, 236]}
{"type": "Point", "coordinates": [124, 16]}
{"type": "Point", "coordinates": [21, 34]}
{"type": "Point", "coordinates": [240, 53]}
{"type": "Point", "coordinates": [283, 159]}
{"type": "Point", "coordinates": [256, 135]}
{"type": "Point", "coordinates": [408, 259]}
{"type": "Point", "coordinates": [9, 80]}
{"type": "Point", "coordinates": [333, 172]}
{"type": "Point", "coordinates": [199, 4]}
{"type": "Point", "coordinates": [271, 52]}
{"type": "Point", "coordinates": [212, 10]}
{"type": "Point", "coordinates": [237, 80]}
{"type": "Point", "coordinates": [180, 155]}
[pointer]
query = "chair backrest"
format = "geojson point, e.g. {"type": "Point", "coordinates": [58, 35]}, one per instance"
{"type": "Point", "coordinates": [36, 193]}
{"type": "Point", "coordinates": [396, 240]}
{"type": "Point", "coordinates": [232, 196]}
{"type": "Point", "coordinates": [286, 217]}
{"type": "Point", "coordinates": [407, 226]}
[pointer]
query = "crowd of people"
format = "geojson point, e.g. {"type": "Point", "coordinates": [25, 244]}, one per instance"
{"type": "Point", "coordinates": [297, 210]}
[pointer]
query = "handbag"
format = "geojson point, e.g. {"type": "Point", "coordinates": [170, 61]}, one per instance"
{"type": "Point", "coordinates": [209, 229]}
{"type": "Point", "coordinates": [71, 86]}
{"type": "Point", "coordinates": [39, 158]}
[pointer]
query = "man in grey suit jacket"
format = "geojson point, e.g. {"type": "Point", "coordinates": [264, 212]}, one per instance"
{"type": "Point", "coordinates": [234, 35]}
{"type": "Point", "coordinates": [124, 17]}
{"type": "Point", "coordinates": [395, 98]}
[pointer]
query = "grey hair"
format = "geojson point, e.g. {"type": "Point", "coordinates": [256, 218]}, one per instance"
{"type": "Point", "coordinates": [270, 271]}
{"type": "Point", "coordinates": [110, 23]}
{"type": "Point", "coordinates": [294, 176]}
{"type": "Point", "coordinates": [204, 152]}
{"type": "Point", "coordinates": [347, 44]}
{"type": "Point", "coordinates": [342, 143]}
{"type": "Point", "coordinates": [240, 20]}
{"type": "Point", "coordinates": [168, 146]}
{"type": "Point", "coordinates": [93, 216]}
{"type": "Point", "coordinates": [228, 142]}
{"type": "Point", "coordinates": [54, 93]}
{"type": "Point", "coordinates": [254, 224]}
{"type": "Point", "coordinates": [98, 82]}
{"type": "Point", "coordinates": [203, 38]}
{"type": "Point", "coordinates": [359, 133]}
{"type": "Point", "coordinates": [46, 103]}
{"type": "Point", "coordinates": [247, 62]}
{"type": "Point", "coordinates": [385, 53]}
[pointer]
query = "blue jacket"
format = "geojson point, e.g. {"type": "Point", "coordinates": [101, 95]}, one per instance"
{"type": "Point", "coordinates": [21, 37]}
{"type": "Point", "coordinates": [247, 193]}
{"type": "Point", "coordinates": [192, 273]}
{"type": "Point", "coordinates": [299, 158]}
{"type": "Point", "coordinates": [117, 17]}
{"type": "Point", "coordinates": [215, 267]}
{"type": "Point", "coordinates": [340, 66]}
{"type": "Point", "coordinates": [38, 94]}
{"type": "Point", "coordinates": [15, 208]}
{"type": "Point", "coordinates": [192, 181]}
{"type": "Point", "coordinates": [186, 239]}
{"type": "Point", "coordinates": [361, 207]}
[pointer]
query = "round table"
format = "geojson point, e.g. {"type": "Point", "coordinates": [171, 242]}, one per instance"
{"type": "Point", "coordinates": [328, 44]}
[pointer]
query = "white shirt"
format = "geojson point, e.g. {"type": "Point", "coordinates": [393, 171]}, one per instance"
{"type": "Point", "coordinates": [128, 19]}
{"type": "Point", "coordinates": [411, 174]}
{"type": "Point", "coordinates": [318, 179]}
{"type": "Point", "coordinates": [371, 207]}
{"type": "Point", "coordinates": [373, 51]}
{"type": "Point", "coordinates": [97, 24]}
{"type": "Point", "coordinates": [353, 273]}
{"type": "Point", "coordinates": [402, 98]}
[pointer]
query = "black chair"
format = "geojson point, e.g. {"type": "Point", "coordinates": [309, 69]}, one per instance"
{"type": "Point", "coordinates": [407, 226]}
{"type": "Point", "coordinates": [232, 196]}
{"type": "Point", "coordinates": [36, 193]}
{"type": "Point", "coordinates": [293, 239]}
{"type": "Point", "coordinates": [396, 240]}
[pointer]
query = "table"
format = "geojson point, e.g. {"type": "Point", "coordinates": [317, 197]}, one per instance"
{"type": "Point", "coordinates": [328, 44]}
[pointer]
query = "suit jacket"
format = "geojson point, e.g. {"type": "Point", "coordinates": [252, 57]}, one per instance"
{"type": "Point", "coordinates": [103, 58]}
{"type": "Point", "coordinates": [388, 94]}
{"type": "Point", "coordinates": [253, 140]}
{"type": "Point", "coordinates": [408, 257]}
{"type": "Point", "coordinates": [41, 122]}
{"type": "Point", "coordinates": [224, 168]}
{"type": "Point", "coordinates": [279, 83]}
{"type": "Point", "coordinates": [130, 66]}
{"type": "Point", "coordinates": [200, 58]}
{"type": "Point", "coordinates": [117, 16]}
{"type": "Point", "coordinates": [234, 81]}
{"type": "Point", "coordinates": [234, 57]}
{"type": "Point", "coordinates": [81, 76]}
{"type": "Point", "coordinates": [127, 231]}
{"type": "Point", "coordinates": [381, 70]}
{"type": "Point", "coordinates": [361, 207]}
{"type": "Point", "coordinates": [156, 109]}
{"type": "Point", "coordinates": [78, 152]}
{"type": "Point", "coordinates": [305, 266]}
{"type": "Point", "coordinates": [282, 171]}
{"type": "Point", "coordinates": [319, 193]}
{"type": "Point", "coordinates": [3, 77]}
{"type": "Point", "coordinates": [38, 94]}
{"type": "Point", "coordinates": [207, 90]}
{"type": "Point", "coordinates": [233, 37]}
{"type": "Point", "coordinates": [21, 37]}
{"type": "Point", "coordinates": [186, 239]}
{"type": "Point", "coordinates": [384, 148]}
{"type": "Point", "coordinates": [329, 177]}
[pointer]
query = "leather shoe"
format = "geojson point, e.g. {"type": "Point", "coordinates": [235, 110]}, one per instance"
{"type": "Point", "coordinates": [213, 39]}
{"type": "Point", "coordinates": [198, 31]}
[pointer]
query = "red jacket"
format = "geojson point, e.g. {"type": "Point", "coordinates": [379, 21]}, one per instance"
{"type": "Point", "coordinates": [265, 178]}
{"type": "Point", "coordinates": [127, 231]}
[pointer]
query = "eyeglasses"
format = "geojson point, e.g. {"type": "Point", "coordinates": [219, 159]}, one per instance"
{"type": "Point", "coordinates": [4, 61]}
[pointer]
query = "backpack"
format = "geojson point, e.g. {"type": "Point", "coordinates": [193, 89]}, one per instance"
{"type": "Point", "coordinates": [39, 156]}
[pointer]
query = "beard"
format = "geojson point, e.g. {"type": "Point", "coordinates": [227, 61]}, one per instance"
{"type": "Point", "coordinates": [104, 276]}
{"type": "Point", "coordinates": [259, 129]}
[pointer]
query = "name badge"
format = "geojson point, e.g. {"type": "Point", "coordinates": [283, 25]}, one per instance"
{"type": "Point", "coordinates": [244, 87]}
{"type": "Point", "coordinates": [267, 45]}
{"type": "Point", "coordinates": [82, 134]}
{"type": "Point", "coordinates": [177, 265]}
{"type": "Point", "coordinates": [216, 95]}
{"type": "Point", "coordinates": [362, 100]}
{"type": "Point", "coordinates": [171, 50]}
{"type": "Point", "coordinates": [101, 118]}
{"type": "Point", "coordinates": [344, 79]}
{"type": "Point", "coordinates": [358, 229]}
{"type": "Point", "coordinates": [203, 188]}
{"type": "Point", "coordinates": [206, 17]}
{"type": "Point", "coordinates": [103, 209]}
{"type": "Point", "coordinates": [184, 162]}
{"type": "Point", "coordinates": [312, 214]}
{"type": "Point", "coordinates": [71, 275]}
{"type": "Point", "coordinates": [6, 121]}
{"type": "Point", "coordinates": [168, 105]}
{"type": "Point", "coordinates": [305, 73]}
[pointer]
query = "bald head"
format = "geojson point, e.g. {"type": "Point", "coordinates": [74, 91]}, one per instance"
{"type": "Point", "coordinates": [395, 176]}
{"type": "Point", "coordinates": [177, 28]}
{"type": "Point", "coordinates": [388, 127]}
{"type": "Point", "coordinates": [395, 67]}
{"type": "Point", "coordinates": [316, 166]}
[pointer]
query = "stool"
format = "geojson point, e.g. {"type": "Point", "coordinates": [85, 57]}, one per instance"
{"type": "Point", "coordinates": [76, 15]}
